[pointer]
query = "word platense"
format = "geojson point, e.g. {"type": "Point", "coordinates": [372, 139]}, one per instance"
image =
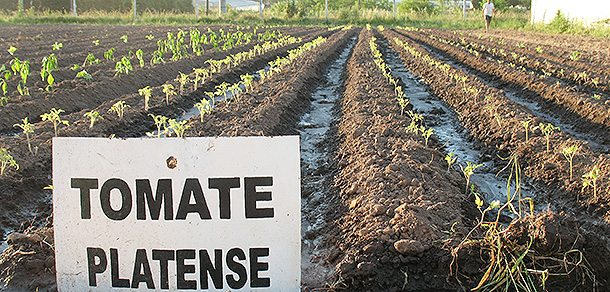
{"type": "Point", "coordinates": [236, 276]}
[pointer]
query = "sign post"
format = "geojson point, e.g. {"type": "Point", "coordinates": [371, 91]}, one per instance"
{"type": "Point", "coordinates": [211, 214]}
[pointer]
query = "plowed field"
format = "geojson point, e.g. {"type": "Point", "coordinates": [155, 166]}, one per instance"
{"type": "Point", "coordinates": [381, 114]}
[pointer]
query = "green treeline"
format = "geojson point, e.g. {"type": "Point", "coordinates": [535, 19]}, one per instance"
{"type": "Point", "coordinates": [104, 5]}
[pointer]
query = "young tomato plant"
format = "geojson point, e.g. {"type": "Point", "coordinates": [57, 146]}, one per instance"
{"type": "Point", "coordinates": [27, 128]}
{"type": "Point", "coordinates": [57, 46]}
{"type": "Point", "coordinates": [589, 179]}
{"type": "Point", "coordinates": [427, 133]}
{"type": "Point", "coordinates": [83, 74]}
{"type": "Point", "coordinates": [450, 158]}
{"type": "Point", "coordinates": [93, 116]}
{"type": "Point", "coordinates": [23, 69]}
{"type": "Point", "coordinates": [168, 89]}
{"type": "Point", "coordinates": [247, 80]}
{"type": "Point", "coordinates": [118, 108]}
{"type": "Point", "coordinates": [147, 93]}
{"type": "Point", "coordinates": [54, 117]}
{"type": "Point", "coordinates": [109, 55]}
{"type": "Point", "coordinates": [204, 106]}
{"type": "Point", "coordinates": [547, 130]}
{"type": "Point", "coordinates": [3, 88]}
{"type": "Point", "coordinates": [403, 102]}
{"type": "Point", "coordinates": [90, 60]}
{"type": "Point", "coordinates": [468, 171]}
{"type": "Point", "coordinates": [160, 122]}
{"type": "Point", "coordinates": [569, 153]}
{"type": "Point", "coordinates": [182, 79]}
{"type": "Point", "coordinates": [123, 67]}
{"type": "Point", "coordinates": [140, 57]}
{"type": "Point", "coordinates": [178, 127]}
{"type": "Point", "coordinates": [49, 63]}
{"type": "Point", "coordinates": [6, 160]}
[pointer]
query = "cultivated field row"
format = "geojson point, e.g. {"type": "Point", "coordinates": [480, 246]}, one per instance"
{"type": "Point", "coordinates": [400, 213]}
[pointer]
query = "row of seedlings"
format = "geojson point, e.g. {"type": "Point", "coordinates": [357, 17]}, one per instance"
{"type": "Point", "coordinates": [504, 126]}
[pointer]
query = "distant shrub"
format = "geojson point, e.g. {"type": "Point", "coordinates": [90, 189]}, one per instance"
{"type": "Point", "coordinates": [560, 23]}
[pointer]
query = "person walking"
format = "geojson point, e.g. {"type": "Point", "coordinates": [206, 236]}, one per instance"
{"type": "Point", "coordinates": [489, 10]}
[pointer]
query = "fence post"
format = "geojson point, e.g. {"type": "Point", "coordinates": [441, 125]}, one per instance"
{"type": "Point", "coordinates": [134, 10]}
{"type": "Point", "coordinates": [464, 5]}
{"type": "Point", "coordinates": [326, 9]}
{"type": "Point", "coordinates": [260, 9]}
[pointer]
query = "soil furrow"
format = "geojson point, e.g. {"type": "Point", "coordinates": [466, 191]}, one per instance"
{"type": "Point", "coordinates": [586, 114]}
{"type": "Point", "coordinates": [395, 233]}
{"type": "Point", "coordinates": [87, 95]}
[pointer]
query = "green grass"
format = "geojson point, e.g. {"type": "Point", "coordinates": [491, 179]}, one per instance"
{"type": "Point", "coordinates": [508, 19]}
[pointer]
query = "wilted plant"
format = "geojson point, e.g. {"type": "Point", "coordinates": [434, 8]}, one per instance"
{"type": "Point", "coordinates": [589, 179]}
{"type": "Point", "coordinates": [451, 159]}
{"type": "Point", "coordinates": [468, 171]}
{"type": "Point", "coordinates": [569, 153]}
{"type": "Point", "coordinates": [147, 93]}
{"type": "Point", "coordinates": [6, 160]}
{"type": "Point", "coordinates": [160, 122]}
{"type": "Point", "coordinates": [27, 128]}
{"type": "Point", "coordinates": [93, 116]}
{"type": "Point", "coordinates": [547, 130]}
{"type": "Point", "coordinates": [54, 117]}
{"type": "Point", "coordinates": [178, 127]}
{"type": "Point", "coordinates": [168, 89]}
{"type": "Point", "coordinates": [119, 108]}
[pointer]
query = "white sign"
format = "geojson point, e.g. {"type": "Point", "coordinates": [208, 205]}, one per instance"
{"type": "Point", "coordinates": [210, 214]}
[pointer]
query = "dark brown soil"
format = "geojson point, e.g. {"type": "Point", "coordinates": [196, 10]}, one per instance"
{"type": "Point", "coordinates": [399, 218]}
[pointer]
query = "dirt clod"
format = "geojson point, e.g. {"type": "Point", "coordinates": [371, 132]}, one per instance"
{"type": "Point", "coordinates": [409, 247]}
